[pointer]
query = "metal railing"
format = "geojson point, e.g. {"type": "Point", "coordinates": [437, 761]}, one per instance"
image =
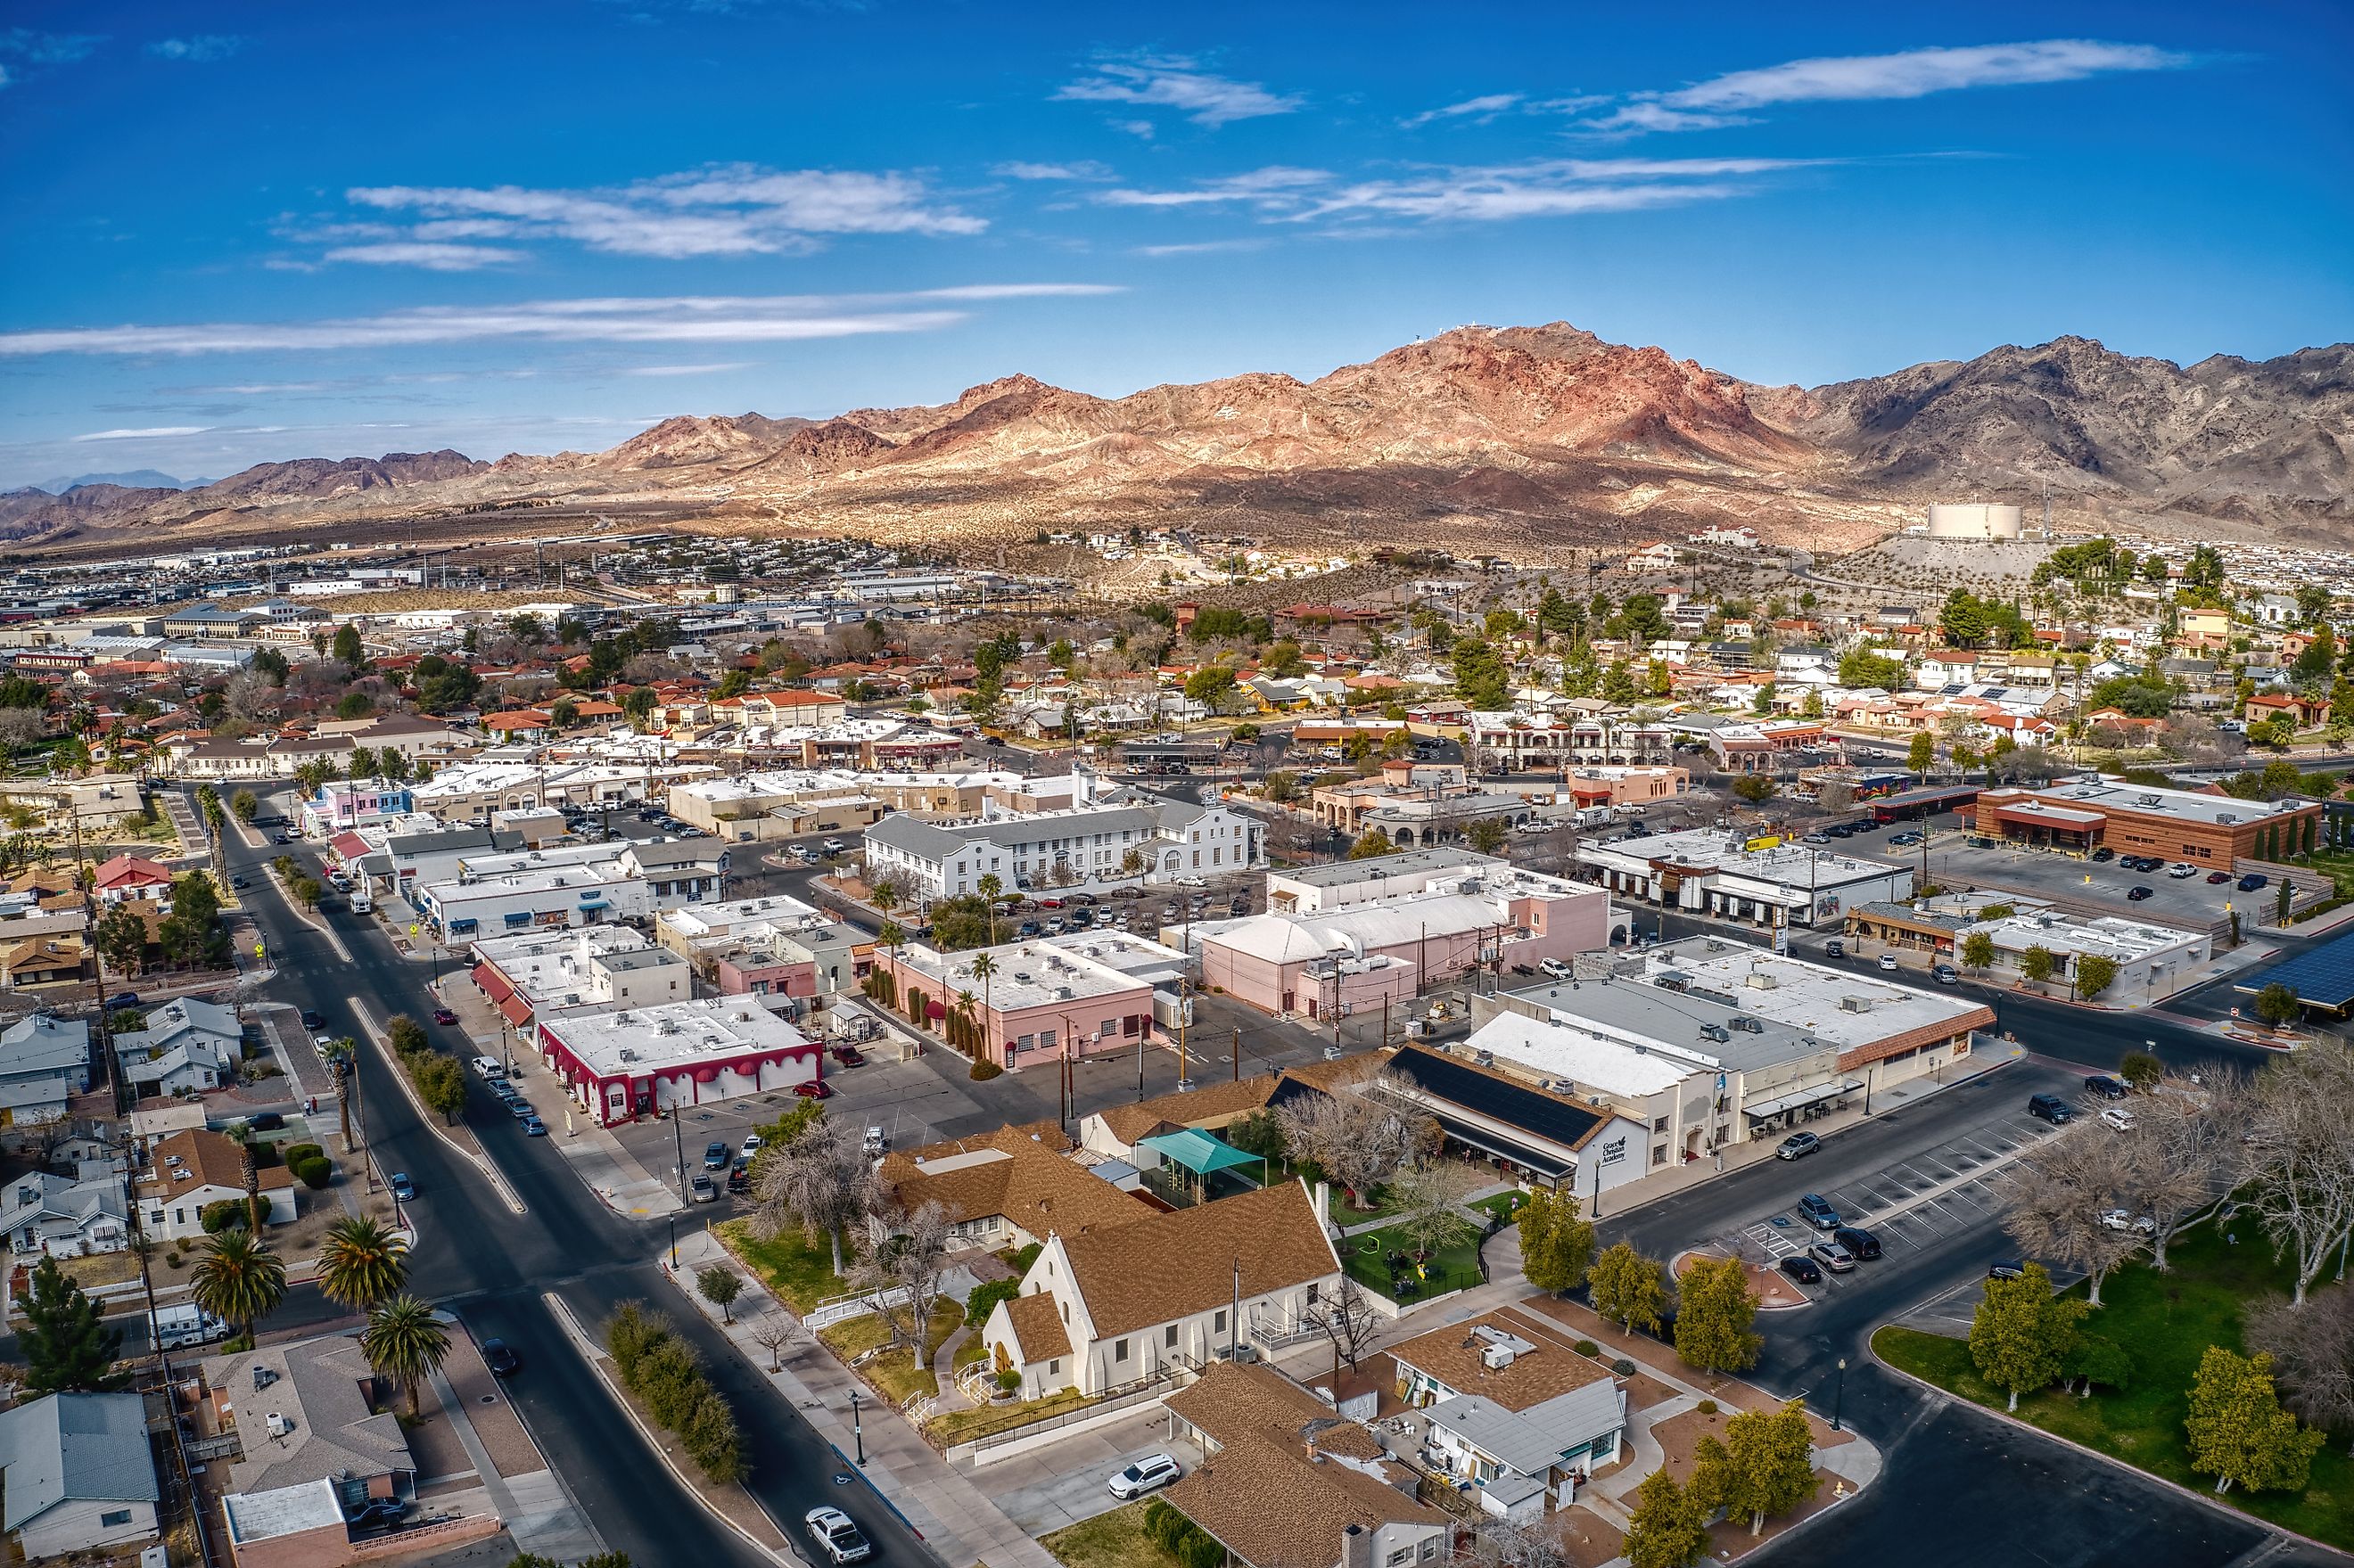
{"type": "Point", "coordinates": [1143, 1391]}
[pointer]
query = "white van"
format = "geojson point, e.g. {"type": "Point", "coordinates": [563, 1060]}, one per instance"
{"type": "Point", "coordinates": [173, 1327]}
{"type": "Point", "coordinates": [361, 902]}
{"type": "Point", "coordinates": [489, 1068]}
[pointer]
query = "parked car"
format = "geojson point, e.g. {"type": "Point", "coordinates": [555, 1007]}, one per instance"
{"type": "Point", "coordinates": [2136, 892]}
{"type": "Point", "coordinates": [2254, 881]}
{"type": "Point", "coordinates": [2180, 869]}
{"type": "Point", "coordinates": [2121, 1220]}
{"type": "Point", "coordinates": [267, 1121]}
{"type": "Point", "coordinates": [443, 1015]}
{"type": "Point", "coordinates": [703, 1189]}
{"type": "Point", "coordinates": [833, 846]}
{"type": "Point", "coordinates": [1803, 1270]}
{"type": "Point", "coordinates": [1797, 1145]}
{"type": "Point", "coordinates": [1817, 1211]}
{"type": "Point", "coordinates": [1834, 948]}
{"type": "Point", "coordinates": [521, 1108]}
{"type": "Point", "coordinates": [2006, 1268]}
{"type": "Point", "coordinates": [375, 1512]}
{"type": "Point", "coordinates": [312, 1021]}
{"type": "Point", "coordinates": [2105, 1086]}
{"type": "Point", "coordinates": [847, 1056]}
{"type": "Point", "coordinates": [739, 1176]}
{"type": "Point", "coordinates": [1833, 1256]}
{"type": "Point", "coordinates": [2217, 878]}
{"type": "Point", "coordinates": [501, 1358]}
{"type": "Point", "coordinates": [2102, 854]}
{"type": "Point", "coordinates": [2051, 1108]}
{"type": "Point", "coordinates": [1553, 968]}
{"type": "Point", "coordinates": [1149, 1473]}
{"type": "Point", "coordinates": [1859, 1242]}
{"type": "Point", "coordinates": [751, 1145]}
{"type": "Point", "coordinates": [1191, 881]}
{"type": "Point", "coordinates": [1945, 974]}
{"type": "Point", "coordinates": [534, 1127]}
{"type": "Point", "coordinates": [815, 1089]}
{"type": "Point", "coordinates": [1814, 838]}
{"type": "Point", "coordinates": [1888, 962]}
{"type": "Point", "coordinates": [836, 1536]}
{"type": "Point", "coordinates": [404, 1190]}
{"type": "Point", "coordinates": [715, 1156]}
{"type": "Point", "coordinates": [2120, 1119]}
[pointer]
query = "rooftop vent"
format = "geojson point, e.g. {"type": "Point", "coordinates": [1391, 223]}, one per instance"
{"type": "Point", "coordinates": [1855, 1004]}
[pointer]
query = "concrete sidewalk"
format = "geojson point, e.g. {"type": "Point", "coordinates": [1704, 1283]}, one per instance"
{"type": "Point", "coordinates": [960, 1522]}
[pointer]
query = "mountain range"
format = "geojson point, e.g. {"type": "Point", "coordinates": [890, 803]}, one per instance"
{"type": "Point", "coordinates": [1535, 437]}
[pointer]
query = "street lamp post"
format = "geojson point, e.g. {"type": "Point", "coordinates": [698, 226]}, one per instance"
{"type": "Point", "coordinates": [857, 1429]}
{"type": "Point", "coordinates": [1839, 1393]}
{"type": "Point", "coordinates": [678, 1134]}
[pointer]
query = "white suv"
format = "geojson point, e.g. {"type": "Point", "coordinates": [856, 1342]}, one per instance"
{"type": "Point", "coordinates": [1148, 1474]}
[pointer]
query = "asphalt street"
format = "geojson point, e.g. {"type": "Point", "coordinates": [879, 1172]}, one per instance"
{"type": "Point", "coordinates": [495, 1270]}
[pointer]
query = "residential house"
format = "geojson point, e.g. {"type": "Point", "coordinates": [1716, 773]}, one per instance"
{"type": "Point", "coordinates": [44, 961]}
{"type": "Point", "coordinates": [189, 1170]}
{"type": "Point", "coordinates": [311, 1410]}
{"type": "Point", "coordinates": [80, 1473]}
{"type": "Point", "coordinates": [188, 1045]}
{"type": "Point", "coordinates": [128, 876]}
{"type": "Point", "coordinates": [1285, 1483]}
{"type": "Point", "coordinates": [1142, 1298]}
{"type": "Point", "coordinates": [1520, 1420]}
{"type": "Point", "coordinates": [65, 1216]}
{"type": "Point", "coordinates": [44, 1063]}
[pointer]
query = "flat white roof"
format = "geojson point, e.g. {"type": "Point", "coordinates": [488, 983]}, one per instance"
{"type": "Point", "coordinates": [1554, 1052]}
{"type": "Point", "coordinates": [700, 921]}
{"type": "Point", "coordinates": [2112, 794]}
{"type": "Point", "coordinates": [282, 1510]}
{"type": "Point", "coordinates": [1809, 996]}
{"type": "Point", "coordinates": [1029, 974]}
{"type": "Point", "coordinates": [2107, 934]}
{"type": "Point", "coordinates": [674, 1034]}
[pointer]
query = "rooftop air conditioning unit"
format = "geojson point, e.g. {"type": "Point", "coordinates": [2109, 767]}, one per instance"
{"type": "Point", "coordinates": [278, 1424]}
{"type": "Point", "coordinates": [1496, 1358]}
{"type": "Point", "coordinates": [1855, 1004]}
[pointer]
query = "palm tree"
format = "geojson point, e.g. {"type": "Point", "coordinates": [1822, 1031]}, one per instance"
{"type": "Point", "coordinates": [404, 1340]}
{"type": "Point", "coordinates": [362, 1262]}
{"type": "Point", "coordinates": [983, 966]}
{"type": "Point", "coordinates": [239, 1279]}
{"type": "Point", "coordinates": [893, 936]}
{"type": "Point", "coordinates": [964, 1005]}
{"type": "Point", "coordinates": [990, 889]}
{"type": "Point", "coordinates": [341, 1057]}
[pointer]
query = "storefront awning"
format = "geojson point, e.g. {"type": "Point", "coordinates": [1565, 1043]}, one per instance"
{"type": "Point", "coordinates": [1780, 1104]}
{"type": "Point", "coordinates": [515, 1010]}
{"type": "Point", "coordinates": [1550, 1167]}
{"type": "Point", "coordinates": [2050, 816]}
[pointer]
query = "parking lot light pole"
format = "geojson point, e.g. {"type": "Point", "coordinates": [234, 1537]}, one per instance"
{"type": "Point", "coordinates": [1839, 1393]}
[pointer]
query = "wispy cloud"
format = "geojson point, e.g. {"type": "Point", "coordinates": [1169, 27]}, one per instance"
{"type": "Point", "coordinates": [1178, 82]}
{"type": "Point", "coordinates": [200, 48]}
{"type": "Point", "coordinates": [736, 209]}
{"type": "Point", "coordinates": [1914, 73]}
{"type": "Point", "coordinates": [1483, 107]}
{"type": "Point", "coordinates": [1275, 186]}
{"type": "Point", "coordinates": [689, 369]}
{"type": "Point", "coordinates": [682, 319]}
{"type": "Point", "coordinates": [432, 257]}
{"type": "Point", "coordinates": [144, 435]}
{"type": "Point", "coordinates": [1084, 169]}
{"type": "Point", "coordinates": [1201, 248]}
{"type": "Point", "coordinates": [22, 47]}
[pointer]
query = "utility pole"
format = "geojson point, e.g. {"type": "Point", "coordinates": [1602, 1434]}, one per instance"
{"type": "Point", "coordinates": [1238, 1054]}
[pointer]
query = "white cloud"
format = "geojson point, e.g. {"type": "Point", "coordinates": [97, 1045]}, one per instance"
{"type": "Point", "coordinates": [1083, 169]}
{"type": "Point", "coordinates": [1143, 130]}
{"type": "Point", "coordinates": [1201, 247]}
{"type": "Point", "coordinates": [432, 257]}
{"type": "Point", "coordinates": [1914, 73]}
{"type": "Point", "coordinates": [1276, 185]}
{"type": "Point", "coordinates": [146, 434]}
{"type": "Point", "coordinates": [688, 369]}
{"type": "Point", "coordinates": [1548, 188]}
{"type": "Point", "coordinates": [681, 318]}
{"type": "Point", "coordinates": [1486, 107]}
{"type": "Point", "coordinates": [1176, 82]}
{"type": "Point", "coordinates": [48, 49]}
{"type": "Point", "coordinates": [736, 209]}
{"type": "Point", "coordinates": [199, 48]}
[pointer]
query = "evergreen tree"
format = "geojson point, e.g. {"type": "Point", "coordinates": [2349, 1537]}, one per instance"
{"type": "Point", "coordinates": [1668, 1526]}
{"type": "Point", "coordinates": [67, 1347]}
{"type": "Point", "coordinates": [2021, 1334]}
{"type": "Point", "coordinates": [2238, 1432]}
{"type": "Point", "coordinates": [1766, 1465]}
{"type": "Point", "coordinates": [1629, 1288]}
{"type": "Point", "coordinates": [1712, 1325]}
{"type": "Point", "coordinates": [1556, 1245]}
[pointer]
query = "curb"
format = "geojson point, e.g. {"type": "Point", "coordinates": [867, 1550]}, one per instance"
{"type": "Point", "coordinates": [597, 1361]}
{"type": "Point", "coordinates": [433, 1123]}
{"type": "Point", "coordinates": [2214, 1504]}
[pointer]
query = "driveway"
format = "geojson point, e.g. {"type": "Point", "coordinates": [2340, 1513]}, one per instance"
{"type": "Point", "coordinates": [1065, 1482]}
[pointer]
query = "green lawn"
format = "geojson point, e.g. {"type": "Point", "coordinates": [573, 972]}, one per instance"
{"type": "Point", "coordinates": [2336, 865]}
{"type": "Point", "coordinates": [1114, 1540]}
{"type": "Point", "coordinates": [801, 1274]}
{"type": "Point", "coordinates": [1344, 1212]}
{"type": "Point", "coordinates": [1450, 1268]}
{"type": "Point", "coordinates": [1503, 1205]}
{"type": "Point", "coordinates": [2165, 1322]}
{"type": "Point", "coordinates": [894, 1373]}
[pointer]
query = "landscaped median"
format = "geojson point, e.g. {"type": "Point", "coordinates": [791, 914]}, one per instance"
{"type": "Point", "coordinates": [2156, 1331]}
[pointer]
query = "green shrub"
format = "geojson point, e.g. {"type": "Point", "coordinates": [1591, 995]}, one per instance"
{"type": "Point", "coordinates": [1156, 1514]}
{"type": "Point", "coordinates": [173, 1259]}
{"type": "Point", "coordinates": [628, 1334]}
{"type": "Point", "coordinates": [1024, 1256]}
{"type": "Point", "coordinates": [218, 1217]}
{"type": "Point", "coordinates": [985, 1298]}
{"type": "Point", "coordinates": [1586, 1348]}
{"type": "Point", "coordinates": [298, 1152]}
{"type": "Point", "coordinates": [1706, 1407]}
{"type": "Point", "coordinates": [982, 1072]}
{"type": "Point", "coordinates": [670, 1381]}
{"type": "Point", "coordinates": [315, 1173]}
{"type": "Point", "coordinates": [1623, 1367]}
{"type": "Point", "coordinates": [1202, 1550]}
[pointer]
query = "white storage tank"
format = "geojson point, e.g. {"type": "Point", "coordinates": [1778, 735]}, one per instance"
{"type": "Point", "coordinates": [1976, 520]}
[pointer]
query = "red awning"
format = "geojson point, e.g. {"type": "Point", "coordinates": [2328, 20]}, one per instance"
{"type": "Point", "coordinates": [515, 1010]}
{"type": "Point", "coordinates": [2050, 816]}
{"type": "Point", "coordinates": [348, 846]}
{"type": "Point", "coordinates": [492, 983]}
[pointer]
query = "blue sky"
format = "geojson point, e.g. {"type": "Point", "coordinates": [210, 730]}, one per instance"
{"type": "Point", "coordinates": [239, 233]}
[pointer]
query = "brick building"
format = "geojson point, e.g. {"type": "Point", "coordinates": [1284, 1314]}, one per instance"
{"type": "Point", "coordinates": [2134, 819]}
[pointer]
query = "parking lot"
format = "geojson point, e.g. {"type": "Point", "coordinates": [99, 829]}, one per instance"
{"type": "Point", "coordinates": [2189, 901]}
{"type": "Point", "coordinates": [1913, 1204]}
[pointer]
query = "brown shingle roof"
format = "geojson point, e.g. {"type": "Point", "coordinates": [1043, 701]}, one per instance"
{"type": "Point", "coordinates": [1453, 1355]}
{"type": "Point", "coordinates": [1037, 1323]}
{"type": "Point", "coordinates": [1175, 1264]}
{"type": "Point", "coordinates": [218, 1162]}
{"type": "Point", "coordinates": [1128, 1123]}
{"type": "Point", "coordinates": [1262, 1493]}
{"type": "Point", "coordinates": [1012, 1173]}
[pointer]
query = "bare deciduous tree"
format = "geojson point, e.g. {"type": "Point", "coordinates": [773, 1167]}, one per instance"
{"type": "Point", "coordinates": [2054, 1202]}
{"type": "Point", "coordinates": [1536, 1544]}
{"type": "Point", "coordinates": [1429, 1201]}
{"type": "Point", "coordinates": [2312, 1349]}
{"type": "Point", "coordinates": [1356, 1133]}
{"type": "Point", "coordinates": [1348, 1321]}
{"type": "Point", "coordinates": [2301, 1143]}
{"type": "Point", "coordinates": [900, 1260]}
{"type": "Point", "coordinates": [2185, 1154]}
{"type": "Point", "coordinates": [820, 1181]}
{"type": "Point", "coordinates": [772, 1333]}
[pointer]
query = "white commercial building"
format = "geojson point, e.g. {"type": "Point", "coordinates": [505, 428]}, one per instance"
{"type": "Point", "coordinates": [644, 1061]}
{"type": "Point", "coordinates": [1709, 872]}
{"type": "Point", "coordinates": [1084, 848]}
{"type": "Point", "coordinates": [551, 972]}
{"type": "Point", "coordinates": [2152, 961]}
